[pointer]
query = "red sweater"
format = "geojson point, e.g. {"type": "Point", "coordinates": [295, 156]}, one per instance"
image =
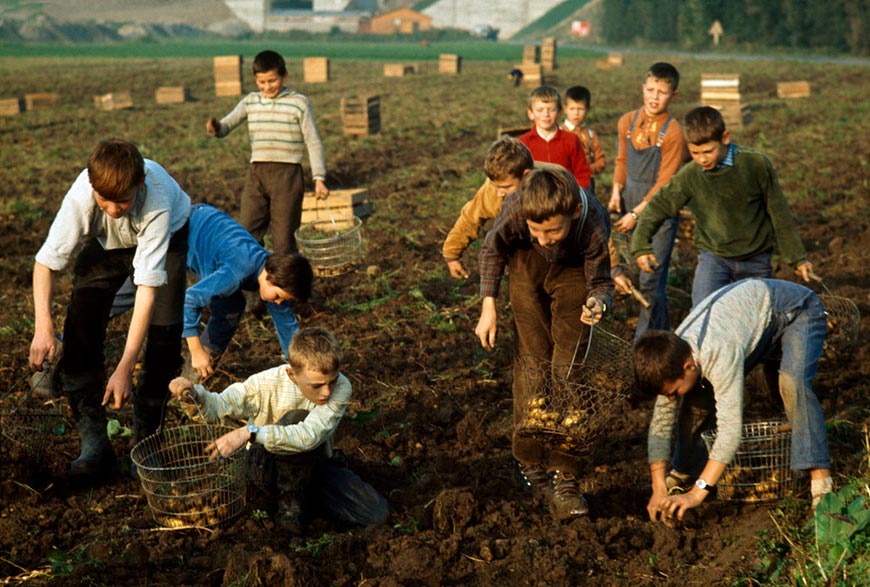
{"type": "Point", "coordinates": [564, 149]}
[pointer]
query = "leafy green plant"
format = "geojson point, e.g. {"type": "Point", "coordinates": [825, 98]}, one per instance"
{"type": "Point", "coordinates": [840, 521]}
{"type": "Point", "coordinates": [314, 547]}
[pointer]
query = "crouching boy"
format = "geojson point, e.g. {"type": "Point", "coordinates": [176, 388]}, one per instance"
{"type": "Point", "coordinates": [698, 375]}
{"type": "Point", "coordinates": [292, 412]}
{"type": "Point", "coordinates": [554, 239]}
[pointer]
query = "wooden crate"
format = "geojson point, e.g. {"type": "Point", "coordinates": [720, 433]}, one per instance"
{"type": "Point", "coordinates": [448, 63]}
{"type": "Point", "coordinates": [228, 75]}
{"type": "Point", "coordinates": [613, 60]}
{"type": "Point", "coordinates": [341, 205]}
{"type": "Point", "coordinates": [172, 95]}
{"type": "Point", "coordinates": [548, 54]}
{"type": "Point", "coordinates": [41, 101]}
{"type": "Point", "coordinates": [114, 101]}
{"type": "Point", "coordinates": [799, 89]}
{"type": "Point", "coordinates": [531, 54]}
{"type": "Point", "coordinates": [736, 114]}
{"type": "Point", "coordinates": [315, 70]}
{"type": "Point", "coordinates": [533, 74]}
{"type": "Point", "coordinates": [361, 115]}
{"type": "Point", "coordinates": [513, 131]}
{"type": "Point", "coordinates": [400, 69]}
{"type": "Point", "coordinates": [720, 87]}
{"type": "Point", "coordinates": [11, 106]}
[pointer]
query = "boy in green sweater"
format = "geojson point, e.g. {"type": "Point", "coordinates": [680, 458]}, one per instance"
{"type": "Point", "coordinates": [740, 210]}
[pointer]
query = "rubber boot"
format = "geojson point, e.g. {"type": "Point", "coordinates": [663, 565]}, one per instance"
{"type": "Point", "coordinates": [84, 391]}
{"type": "Point", "coordinates": [291, 483]}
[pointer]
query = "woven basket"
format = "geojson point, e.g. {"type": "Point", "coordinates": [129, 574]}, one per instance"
{"type": "Point", "coordinates": [332, 246]}
{"type": "Point", "coordinates": [183, 486]}
{"type": "Point", "coordinates": [567, 413]}
{"type": "Point", "coordinates": [760, 470]}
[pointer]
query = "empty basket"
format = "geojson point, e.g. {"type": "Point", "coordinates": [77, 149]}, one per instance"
{"type": "Point", "coordinates": [183, 486]}
{"type": "Point", "coordinates": [760, 470]}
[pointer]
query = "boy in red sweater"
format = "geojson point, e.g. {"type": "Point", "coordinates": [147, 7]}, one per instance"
{"type": "Point", "coordinates": [549, 143]}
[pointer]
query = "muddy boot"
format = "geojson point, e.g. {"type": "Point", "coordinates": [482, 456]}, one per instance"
{"type": "Point", "coordinates": [84, 391]}
{"type": "Point", "coordinates": [97, 456]}
{"type": "Point", "coordinates": [292, 476]}
{"type": "Point", "coordinates": [147, 418]}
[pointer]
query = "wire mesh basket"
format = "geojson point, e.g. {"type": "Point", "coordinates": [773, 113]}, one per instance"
{"type": "Point", "coordinates": [566, 407]}
{"type": "Point", "coordinates": [844, 319]}
{"type": "Point", "coordinates": [184, 487]}
{"type": "Point", "coordinates": [333, 246]}
{"type": "Point", "coordinates": [27, 429]}
{"type": "Point", "coordinates": [760, 470]}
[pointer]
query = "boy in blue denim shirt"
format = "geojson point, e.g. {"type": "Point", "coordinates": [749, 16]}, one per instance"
{"type": "Point", "coordinates": [229, 261]}
{"type": "Point", "coordinates": [697, 374]}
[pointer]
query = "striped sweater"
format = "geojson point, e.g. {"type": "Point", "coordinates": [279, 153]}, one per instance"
{"type": "Point", "coordinates": [265, 397]}
{"type": "Point", "coordinates": [280, 130]}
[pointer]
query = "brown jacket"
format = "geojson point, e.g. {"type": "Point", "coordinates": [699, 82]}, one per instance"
{"type": "Point", "coordinates": [594, 152]}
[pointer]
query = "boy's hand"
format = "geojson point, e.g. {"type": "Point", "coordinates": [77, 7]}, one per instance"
{"type": "Point", "coordinates": [647, 263]}
{"type": "Point", "coordinates": [212, 126]}
{"type": "Point", "coordinates": [182, 390]}
{"type": "Point", "coordinates": [623, 284]}
{"type": "Point", "coordinates": [486, 326]}
{"type": "Point", "coordinates": [654, 506]}
{"type": "Point", "coordinates": [202, 363]}
{"type": "Point", "coordinates": [321, 192]}
{"type": "Point", "coordinates": [625, 224]}
{"type": "Point", "coordinates": [615, 202]}
{"type": "Point", "coordinates": [456, 269]}
{"type": "Point", "coordinates": [119, 389]}
{"type": "Point", "coordinates": [228, 443]}
{"type": "Point", "coordinates": [675, 506]}
{"type": "Point", "coordinates": [805, 270]}
{"type": "Point", "coordinates": [43, 348]}
{"type": "Point", "coordinates": [593, 311]}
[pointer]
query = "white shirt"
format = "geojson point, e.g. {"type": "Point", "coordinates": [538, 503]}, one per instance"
{"type": "Point", "coordinates": [160, 210]}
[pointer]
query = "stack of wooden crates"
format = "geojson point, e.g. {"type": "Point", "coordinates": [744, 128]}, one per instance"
{"type": "Point", "coordinates": [548, 54]}
{"type": "Point", "coordinates": [722, 92]}
{"type": "Point", "coordinates": [361, 115]}
{"type": "Point", "coordinates": [228, 75]}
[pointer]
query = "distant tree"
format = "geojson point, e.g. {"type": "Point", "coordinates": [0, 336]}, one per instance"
{"type": "Point", "coordinates": [692, 24]}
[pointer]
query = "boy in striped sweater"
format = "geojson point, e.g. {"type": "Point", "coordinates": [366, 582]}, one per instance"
{"type": "Point", "coordinates": [292, 412]}
{"type": "Point", "coordinates": [281, 127]}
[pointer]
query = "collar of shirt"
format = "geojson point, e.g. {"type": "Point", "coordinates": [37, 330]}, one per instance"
{"type": "Point", "coordinates": [547, 137]}
{"type": "Point", "coordinates": [727, 160]}
{"type": "Point", "coordinates": [569, 125]}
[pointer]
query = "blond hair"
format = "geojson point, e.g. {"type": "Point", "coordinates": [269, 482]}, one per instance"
{"type": "Point", "coordinates": [545, 94]}
{"type": "Point", "coordinates": [314, 349]}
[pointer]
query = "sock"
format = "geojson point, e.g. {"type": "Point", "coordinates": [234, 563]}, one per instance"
{"type": "Point", "coordinates": [820, 487]}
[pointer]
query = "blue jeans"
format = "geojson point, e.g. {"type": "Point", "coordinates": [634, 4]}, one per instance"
{"type": "Point", "coordinates": [714, 272]}
{"type": "Point", "coordinates": [793, 342]}
{"type": "Point", "coordinates": [654, 285]}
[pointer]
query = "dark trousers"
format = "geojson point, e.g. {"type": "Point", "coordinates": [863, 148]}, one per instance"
{"type": "Point", "coordinates": [547, 301]}
{"type": "Point", "coordinates": [321, 481]}
{"type": "Point", "coordinates": [273, 193]}
{"type": "Point", "coordinates": [98, 274]}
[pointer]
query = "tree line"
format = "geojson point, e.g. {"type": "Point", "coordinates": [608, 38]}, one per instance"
{"type": "Point", "coordinates": [834, 25]}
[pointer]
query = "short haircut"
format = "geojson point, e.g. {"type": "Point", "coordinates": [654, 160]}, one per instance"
{"type": "Point", "coordinates": [291, 272]}
{"type": "Point", "coordinates": [114, 167]}
{"type": "Point", "coordinates": [664, 71]}
{"type": "Point", "coordinates": [659, 356]}
{"type": "Point", "coordinates": [545, 94]}
{"type": "Point", "coordinates": [549, 191]}
{"type": "Point", "coordinates": [507, 157]}
{"type": "Point", "coordinates": [315, 349]}
{"type": "Point", "coordinates": [704, 124]}
{"type": "Point", "coordinates": [579, 94]}
{"type": "Point", "coordinates": [269, 61]}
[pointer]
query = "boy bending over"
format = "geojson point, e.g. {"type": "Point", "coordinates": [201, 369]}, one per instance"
{"type": "Point", "coordinates": [132, 219]}
{"type": "Point", "coordinates": [554, 240]}
{"type": "Point", "coordinates": [292, 412]}
{"type": "Point", "coordinates": [697, 374]}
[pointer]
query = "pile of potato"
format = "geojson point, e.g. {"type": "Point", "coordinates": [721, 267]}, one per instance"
{"type": "Point", "coordinates": [175, 509]}
{"type": "Point", "coordinates": [753, 484]}
{"type": "Point", "coordinates": [570, 424]}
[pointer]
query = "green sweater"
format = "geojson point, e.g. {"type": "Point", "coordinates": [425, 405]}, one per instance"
{"type": "Point", "coordinates": [739, 211]}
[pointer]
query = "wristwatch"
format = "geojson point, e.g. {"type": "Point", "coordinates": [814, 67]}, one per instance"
{"type": "Point", "coordinates": [701, 484]}
{"type": "Point", "coordinates": [253, 429]}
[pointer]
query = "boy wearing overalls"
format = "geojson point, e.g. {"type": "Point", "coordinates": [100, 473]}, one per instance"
{"type": "Point", "coordinates": [650, 150]}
